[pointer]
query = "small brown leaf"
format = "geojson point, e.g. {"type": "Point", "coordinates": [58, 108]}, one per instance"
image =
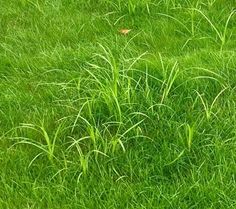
{"type": "Point", "coordinates": [124, 31]}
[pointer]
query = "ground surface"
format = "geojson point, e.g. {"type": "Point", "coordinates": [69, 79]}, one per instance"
{"type": "Point", "coordinates": [91, 118]}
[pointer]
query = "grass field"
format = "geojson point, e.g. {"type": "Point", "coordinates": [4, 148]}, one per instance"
{"type": "Point", "coordinates": [94, 119]}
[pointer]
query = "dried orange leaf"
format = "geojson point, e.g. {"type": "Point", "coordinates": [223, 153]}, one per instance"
{"type": "Point", "coordinates": [124, 31]}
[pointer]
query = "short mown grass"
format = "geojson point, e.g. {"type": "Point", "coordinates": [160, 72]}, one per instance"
{"type": "Point", "coordinates": [91, 118]}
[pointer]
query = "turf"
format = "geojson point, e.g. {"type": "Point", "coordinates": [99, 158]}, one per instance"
{"type": "Point", "coordinates": [92, 118]}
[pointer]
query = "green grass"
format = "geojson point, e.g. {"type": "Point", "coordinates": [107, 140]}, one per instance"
{"type": "Point", "coordinates": [90, 118]}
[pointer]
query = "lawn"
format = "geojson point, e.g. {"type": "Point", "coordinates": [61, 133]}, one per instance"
{"type": "Point", "coordinates": [93, 118]}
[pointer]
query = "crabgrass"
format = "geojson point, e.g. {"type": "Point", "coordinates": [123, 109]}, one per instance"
{"type": "Point", "coordinates": [91, 118]}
